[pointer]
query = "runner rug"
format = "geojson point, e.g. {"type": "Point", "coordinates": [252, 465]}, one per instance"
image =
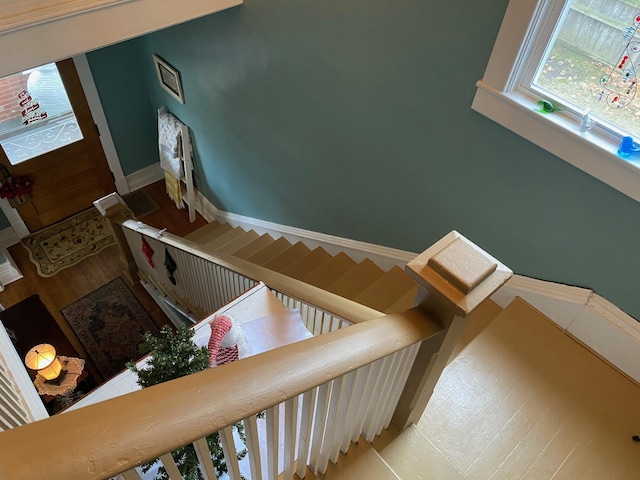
{"type": "Point", "coordinates": [66, 243]}
{"type": "Point", "coordinates": [110, 322]}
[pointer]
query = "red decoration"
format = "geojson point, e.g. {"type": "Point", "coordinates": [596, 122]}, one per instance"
{"type": "Point", "coordinates": [219, 353]}
{"type": "Point", "coordinates": [13, 187]}
{"type": "Point", "coordinates": [147, 251]}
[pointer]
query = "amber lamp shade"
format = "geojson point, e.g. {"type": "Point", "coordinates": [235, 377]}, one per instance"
{"type": "Point", "coordinates": [42, 358]}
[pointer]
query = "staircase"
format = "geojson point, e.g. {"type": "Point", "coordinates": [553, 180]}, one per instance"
{"type": "Point", "coordinates": [364, 282]}
{"type": "Point", "coordinates": [518, 397]}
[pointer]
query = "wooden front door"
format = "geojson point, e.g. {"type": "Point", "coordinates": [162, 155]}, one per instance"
{"type": "Point", "coordinates": [68, 177]}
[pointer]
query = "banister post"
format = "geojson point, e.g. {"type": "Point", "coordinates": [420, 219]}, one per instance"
{"type": "Point", "coordinates": [455, 277]}
{"type": "Point", "coordinates": [116, 211]}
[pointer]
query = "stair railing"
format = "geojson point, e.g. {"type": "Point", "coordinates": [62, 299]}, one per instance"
{"type": "Point", "coordinates": [204, 282]}
{"type": "Point", "coordinates": [347, 383]}
{"type": "Point", "coordinates": [344, 383]}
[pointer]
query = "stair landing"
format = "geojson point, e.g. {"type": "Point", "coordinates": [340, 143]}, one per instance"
{"type": "Point", "coordinates": [522, 400]}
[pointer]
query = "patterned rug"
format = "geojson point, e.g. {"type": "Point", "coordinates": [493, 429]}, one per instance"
{"type": "Point", "coordinates": [66, 243]}
{"type": "Point", "coordinates": [109, 322]}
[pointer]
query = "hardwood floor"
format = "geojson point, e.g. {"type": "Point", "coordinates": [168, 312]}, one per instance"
{"type": "Point", "coordinates": [75, 282]}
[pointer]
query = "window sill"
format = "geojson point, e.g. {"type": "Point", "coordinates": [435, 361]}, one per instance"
{"type": "Point", "coordinates": [590, 152]}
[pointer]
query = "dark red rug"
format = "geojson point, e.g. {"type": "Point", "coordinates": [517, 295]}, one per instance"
{"type": "Point", "coordinates": [110, 322]}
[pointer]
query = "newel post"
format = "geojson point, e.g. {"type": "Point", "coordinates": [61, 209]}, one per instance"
{"type": "Point", "coordinates": [455, 276]}
{"type": "Point", "coordinates": [114, 208]}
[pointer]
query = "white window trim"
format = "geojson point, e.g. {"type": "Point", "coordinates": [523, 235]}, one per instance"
{"type": "Point", "coordinates": [496, 98]}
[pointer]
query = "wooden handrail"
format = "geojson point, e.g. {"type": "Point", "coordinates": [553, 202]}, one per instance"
{"type": "Point", "coordinates": [327, 301]}
{"type": "Point", "coordinates": [454, 277]}
{"type": "Point", "coordinates": [107, 438]}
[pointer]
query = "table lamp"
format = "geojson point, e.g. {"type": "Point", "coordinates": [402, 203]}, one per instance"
{"type": "Point", "coordinates": [42, 358]}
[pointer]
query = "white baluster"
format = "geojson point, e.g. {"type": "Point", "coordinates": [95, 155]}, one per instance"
{"type": "Point", "coordinates": [290, 431]}
{"type": "Point", "coordinates": [204, 457]}
{"type": "Point", "coordinates": [341, 424]}
{"type": "Point", "coordinates": [372, 378]}
{"type": "Point", "coordinates": [230, 453]}
{"type": "Point", "coordinates": [273, 425]}
{"type": "Point", "coordinates": [170, 466]}
{"type": "Point", "coordinates": [218, 286]}
{"type": "Point", "coordinates": [355, 405]}
{"type": "Point", "coordinates": [335, 400]}
{"type": "Point", "coordinates": [306, 422]}
{"type": "Point", "coordinates": [210, 288]}
{"type": "Point", "coordinates": [130, 475]}
{"type": "Point", "coordinates": [253, 446]}
{"type": "Point", "coordinates": [373, 412]}
{"type": "Point", "coordinates": [304, 312]}
{"type": "Point", "coordinates": [322, 407]}
{"type": "Point", "coordinates": [389, 383]}
{"type": "Point", "coordinates": [402, 379]}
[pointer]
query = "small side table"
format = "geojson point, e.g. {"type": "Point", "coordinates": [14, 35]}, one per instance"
{"type": "Point", "coordinates": [72, 370]}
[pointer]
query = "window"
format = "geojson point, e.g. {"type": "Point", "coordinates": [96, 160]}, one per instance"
{"type": "Point", "coordinates": [577, 59]}
{"type": "Point", "coordinates": [35, 114]}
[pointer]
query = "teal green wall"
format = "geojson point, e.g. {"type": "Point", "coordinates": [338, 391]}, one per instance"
{"type": "Point", "coordinates": [118, 74]}
{"type": "Point", "coordinates": [353, 118]}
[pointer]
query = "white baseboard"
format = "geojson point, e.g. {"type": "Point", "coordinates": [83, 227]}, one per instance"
{"type": "Point", "coordinates": [592, 320]}
{"type": "Point", "coordinates": [144, 177]}
{"type": "Point", "coordinates": [384, 257]}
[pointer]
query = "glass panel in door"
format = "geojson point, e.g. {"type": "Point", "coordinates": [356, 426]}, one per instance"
{"type": "Point", "coordinates": [36, 116]}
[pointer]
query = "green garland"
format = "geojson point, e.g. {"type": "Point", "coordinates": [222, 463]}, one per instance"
{"type": "Point", "coordinates": [176, 355]}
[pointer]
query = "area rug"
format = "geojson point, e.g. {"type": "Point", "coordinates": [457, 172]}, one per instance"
{"type": "Point", "coordinates": [110, 322]}
{"type": "Point", "coordinates": [140, 203]}
{"type": "Point", "coordinates": [66, 243]}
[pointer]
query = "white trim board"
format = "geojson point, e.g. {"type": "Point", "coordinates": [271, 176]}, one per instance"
{"type": "Point", "coordinates": [93, 99]}
{"type": "Point", "coordinates": [145, 176]}
{"type": "Point", "coordinates": [592, 320]}
{"type": "Point", "coordinates": [384, 257]}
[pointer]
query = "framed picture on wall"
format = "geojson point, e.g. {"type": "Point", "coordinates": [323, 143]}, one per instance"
{"type": "Point", "coordinates": [169, 78]}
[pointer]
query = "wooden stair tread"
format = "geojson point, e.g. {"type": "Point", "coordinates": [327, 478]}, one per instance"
{"type": "Point", "coordinates": [286, 258]}
{"type": "Point", "coordinates": [254, 247]}
{"type": "Point", "coordinates": [270, 251]}
{"type": "Point", "coordinates": [238, 243]}
{"type": "Point", "coordinates": [308, 263]}
{"type": "Point", "coordinates": [208, 232]}
{"type": "Point", "coordinates": [355, 280]}
{"type": "Point", "coordinates": [227, 237]}
{"type": "Point", "coordinates": [329, 271]}
{"type": "Point", "coordinates": [386, 291]}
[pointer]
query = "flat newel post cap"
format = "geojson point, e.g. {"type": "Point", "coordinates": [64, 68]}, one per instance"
{"type": "Point", "coordinates": [108, 202]}
{"type": "Point", "coordinates": [458, 271]}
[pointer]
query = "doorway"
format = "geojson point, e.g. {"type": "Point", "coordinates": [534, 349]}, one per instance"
{"type": "Point", "coordinates": [52, 139]}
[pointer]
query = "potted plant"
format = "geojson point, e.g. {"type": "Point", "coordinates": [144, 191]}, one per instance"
{"type": "Point", "coordinates": [174, 355]}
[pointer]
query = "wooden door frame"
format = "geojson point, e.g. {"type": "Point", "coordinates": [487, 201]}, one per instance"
{"type": "Point", "coordinates": [91, 94]}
